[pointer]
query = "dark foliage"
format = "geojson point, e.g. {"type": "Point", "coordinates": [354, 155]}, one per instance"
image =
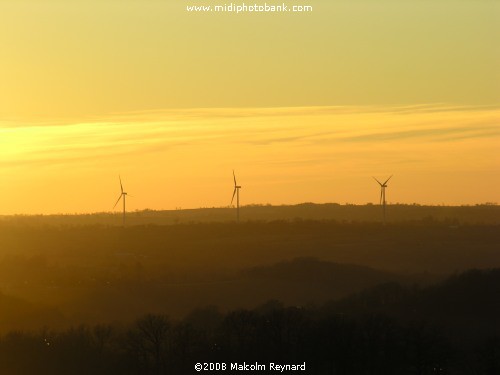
{"type": "Point", "coordinates": [386, 330]}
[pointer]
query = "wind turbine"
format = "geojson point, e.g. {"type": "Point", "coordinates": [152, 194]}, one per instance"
{"type": "Point", "coordinates": [123, 194]}
{"type": "Point", "coordinates": [382, 193]}
{"type": "Point", "coordinates": [237, 193]}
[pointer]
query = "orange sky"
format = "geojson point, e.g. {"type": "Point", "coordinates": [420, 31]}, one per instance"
{"type": "Point", "coordinates": [184, 158]}
{"type": "Point", "coordinates": [305, 107]}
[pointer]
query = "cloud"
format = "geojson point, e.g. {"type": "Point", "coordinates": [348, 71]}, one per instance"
{"type": "Point", "coordinates": [282, 129]}
{"type": "Point", "coordinates": [432, 134]}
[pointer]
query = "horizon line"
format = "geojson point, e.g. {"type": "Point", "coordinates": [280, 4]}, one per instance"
{"type": "Point", "coordinates": [255, 205]}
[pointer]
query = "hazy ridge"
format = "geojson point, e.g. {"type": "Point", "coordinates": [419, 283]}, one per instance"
{"type": "Point", "coordinates": [60, 275]}
{"type": "Point", "coordinates": [488, 213]}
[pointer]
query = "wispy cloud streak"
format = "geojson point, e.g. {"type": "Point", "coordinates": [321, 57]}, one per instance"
{"type": "Point", "coordinates": [157, 131]}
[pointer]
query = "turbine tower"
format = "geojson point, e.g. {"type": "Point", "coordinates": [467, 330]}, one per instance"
{"type": "Point", "coordinates": [382, 194]}
{"type": "Point", "coordinates": [123, 194]}
{"type": "Point", "coordinates": [237, 193]}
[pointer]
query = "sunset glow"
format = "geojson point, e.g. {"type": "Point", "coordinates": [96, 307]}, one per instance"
{"type": "Point", "coordinates": [184, 158]}
{"type": "Point", "coordinates": [305, 107]}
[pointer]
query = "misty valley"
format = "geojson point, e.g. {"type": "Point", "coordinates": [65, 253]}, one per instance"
{"type": "Point", "coordinates": [418, 296]}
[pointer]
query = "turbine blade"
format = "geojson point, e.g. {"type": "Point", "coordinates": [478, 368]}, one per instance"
{"type": "Point", "coordinates": [121, 186]}
{"type": "Point", "coordinates": [234, 176]}
{"type": "Point", "coordinates": [381, 194]}
{"type": "Point", "coordinates": [234, 193]}
{"type": "Point", "coordinates": [120, 197]}
{"type": "Point", "coordinates": [386, 181]}
{"type": "Point", "coordinates": [377, 181]}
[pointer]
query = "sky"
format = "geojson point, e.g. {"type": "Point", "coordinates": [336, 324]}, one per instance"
{"type": "Point", "coordinates": [306, 107]}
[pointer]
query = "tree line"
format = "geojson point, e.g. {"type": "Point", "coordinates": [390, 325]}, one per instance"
{"type": "Point", "coordinates": [369, 333]}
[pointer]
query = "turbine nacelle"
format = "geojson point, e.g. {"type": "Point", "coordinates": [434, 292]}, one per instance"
{"type": "Point", "coordinates": [236, 193]}
{"type": "Point", "coordinates": [122, 195]}
{"type": "Point", "coordinates": [236, 190]}
{"type": "Point", "coordinates": [235, 183]}
{"type": "Point", "coordinates": [383, 186]}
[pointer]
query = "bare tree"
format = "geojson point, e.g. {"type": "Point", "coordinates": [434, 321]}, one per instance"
{"type": "Point", "coordinates": [149, 339]}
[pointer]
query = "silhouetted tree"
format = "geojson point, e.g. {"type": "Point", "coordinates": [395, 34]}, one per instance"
{"type": "Point", "coordinates": [148, 342]}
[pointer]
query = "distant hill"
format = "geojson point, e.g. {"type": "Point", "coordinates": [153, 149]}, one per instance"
{"type": "Point", "coordinates": [453, 215]}
{"type": "Point", "coordinates": [93, 272]}
{"type": "Point", "coordinates": [298, 282]}
{"type": "Point", "coordinates": [304, 280]}
{"type": "Point", "coordinates": [466, 303]}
